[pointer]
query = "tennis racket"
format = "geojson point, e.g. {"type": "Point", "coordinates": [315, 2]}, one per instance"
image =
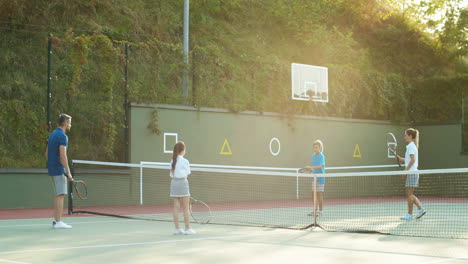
{"type": "Point", "coordinates": [305, 170]}
{"type": "Point", "coordinates": [200, 211]}
{"type": "Point", "coordinates": [392, 146]}
{"type": "Point", "coordinates": [81, 189]}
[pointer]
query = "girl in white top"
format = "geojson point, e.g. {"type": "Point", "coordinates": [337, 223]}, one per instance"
{"type": "Point", "coordinates": [412, 180]}
{"type": "Point", "coordinates": [180, 193]}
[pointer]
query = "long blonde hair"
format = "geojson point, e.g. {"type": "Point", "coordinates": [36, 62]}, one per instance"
{"type": "Point", "coordinates": [319, 143]}
{"type": "Point", "coordinates": [414, 134]}
{"type": "Point", "coordinates": [178, 148]}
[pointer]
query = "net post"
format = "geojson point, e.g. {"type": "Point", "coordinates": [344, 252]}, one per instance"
{"type": "Point", "coordinates": [141, 183]}
{"type": "Point", "coordinates": [70, 191]}
{"type": "Point", "coordinates": [126, 105]}
{"type": "Point", "coordinates": [297, 184]}
{"type": "Point", "coordinates": [49, 78]}
{"type": "Point", "coordinates": [315, 199]}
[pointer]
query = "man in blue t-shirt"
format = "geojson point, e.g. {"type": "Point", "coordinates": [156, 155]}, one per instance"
{"type": "Point", "coordinates": [57, 166]}
{"type": "Point", "coordinates": [318, 167]}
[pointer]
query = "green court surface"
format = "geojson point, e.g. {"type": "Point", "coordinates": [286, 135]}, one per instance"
{"type": "Point", "coordinates": [113, 240]}
{"type": "Point", "coordinates": [447, 220]}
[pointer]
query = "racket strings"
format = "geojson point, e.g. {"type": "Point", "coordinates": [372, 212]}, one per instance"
{"type": "Point", "coordinates": [200, 211]}
{"type": "Point", "coordinates": [81, 189]}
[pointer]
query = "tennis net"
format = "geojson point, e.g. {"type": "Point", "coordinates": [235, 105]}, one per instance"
{"type": "Point", "coordinates": [353, 201]}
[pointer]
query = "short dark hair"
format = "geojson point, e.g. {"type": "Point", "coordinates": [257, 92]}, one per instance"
{"type": "Point", "coordinates": [63, 118]}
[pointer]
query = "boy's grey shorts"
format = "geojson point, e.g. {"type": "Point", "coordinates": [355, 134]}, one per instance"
{"type": "Point", "coordinates": [320, 187]}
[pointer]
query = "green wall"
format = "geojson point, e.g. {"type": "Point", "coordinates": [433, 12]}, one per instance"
{"type": "Point", "coordinates": [441, 146]}
{"type": "Point", "coordinates": [26, 188]}
{"type": "Point", "coordinates": [249, 135]}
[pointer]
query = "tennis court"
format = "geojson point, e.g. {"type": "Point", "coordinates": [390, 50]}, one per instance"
{"type": "Point", "coordinates": [252, 215]}
{"type": "Point", "coordinates": [111, 240]}
{"type": "Point", "coordinates": [236, 131]}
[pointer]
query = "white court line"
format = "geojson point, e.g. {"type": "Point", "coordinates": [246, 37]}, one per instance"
{"type": "Point", "coordinates": [458, 218]}
{"type": "Point", "coordinates": [43, 218]}
{"type": "Point", "coordinates": [124, 245]}
{"type": "Point", "coordinates": [77, 223]}
{"type": "Point", "coordinates": [11, 261]}
{"type": "Point", "coordinates": [444, 260]}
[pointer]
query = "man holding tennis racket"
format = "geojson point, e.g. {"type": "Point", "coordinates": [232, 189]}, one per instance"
{"type": "Point", "coordinates": [57, 166]}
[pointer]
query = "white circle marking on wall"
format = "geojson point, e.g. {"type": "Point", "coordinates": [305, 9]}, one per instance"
{"type": "Point", "coordinates": [279, 147]}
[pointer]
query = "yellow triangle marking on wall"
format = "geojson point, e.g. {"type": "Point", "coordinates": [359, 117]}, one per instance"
{"type": "Point", "coordinates": [225, 149]}
{"type": "Point", "coordinates": [357, 152]}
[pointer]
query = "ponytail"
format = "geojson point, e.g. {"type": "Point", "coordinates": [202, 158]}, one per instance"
{"type": "Point", "coordinates": [178, 148]}
{"type": "Point", "coordinates": [416, 139]}
{"type": "Point", "coordinates": [414, 134]}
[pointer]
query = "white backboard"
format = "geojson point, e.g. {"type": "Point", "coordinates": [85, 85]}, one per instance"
{"type": "Point", "coordinates": [309, 83]}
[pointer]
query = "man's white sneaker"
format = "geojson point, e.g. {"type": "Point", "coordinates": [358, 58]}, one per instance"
{"type": "Point", "coordinates": [179, 232]}
{"type": "Point", "coordinates": [190, 231]}
{"type": "Point", "coordinates": [407, 217]}
{"type": "Point", "coordinates": [60, 225]}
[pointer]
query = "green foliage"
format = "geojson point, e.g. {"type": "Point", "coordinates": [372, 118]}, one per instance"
{"type": "Point", "coordinates": [454, 37]}
{"type": "Point", "coordinates": [155, 70]}
{"type": "Point", "coordinates": [153, 124]}
{"type": "Point", "coordinates": [23, 129]}
{"type": "Point", "coordinates": [383, 63]}
{"type": "Point", "coordinates": [438, 98]}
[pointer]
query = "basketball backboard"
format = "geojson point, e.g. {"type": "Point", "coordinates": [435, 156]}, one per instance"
{"type": "Point", "coordinates": [309, 83]}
